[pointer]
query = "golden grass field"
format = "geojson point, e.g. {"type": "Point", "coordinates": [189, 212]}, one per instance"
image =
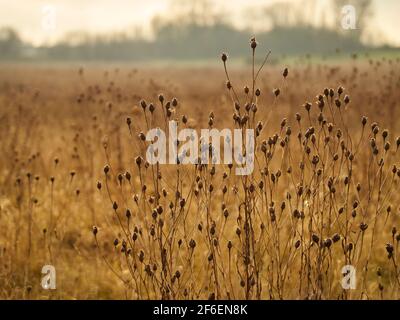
{"type": "Point", "coordinates": [324, 192]}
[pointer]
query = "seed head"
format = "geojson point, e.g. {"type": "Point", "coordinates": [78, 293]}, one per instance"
{"type": "Point", "coordinates": [336, 237]}
{"type": "Point", "coordinates": [389, 248]}
{"type": "Point", "coordinates": [138, 161]}
{"type": "Point", "coordinates": [315, 238]}
{"type": "Point", "coordinates": [285, 72]}
{"type": "Point", "coordinates": [364, 120]}
{"type": "Point", "coordinates": [363, 226]}
{"type": "Point", "coordinates": [327, 243]}
{"type": "Point", "coordinates": [253, 43]}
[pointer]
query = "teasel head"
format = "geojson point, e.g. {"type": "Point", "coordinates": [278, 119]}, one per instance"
{"type": "Point", "coordinates": [143, 104]}
{"type": "Point", "coordinates": [120, 177]}
{"type": "Point", "coordinates": [385, 134]}
{"type": "Point", "coordinates": [389, 248]}
{"type": "Point", "coordinates": [184, 119]}
{"type": "Point", "coordinates": [115, 205]}
{"type": "Point", "coordinates": [375, 130]}
{"type": "Point", "coordinates": [253, 43]}
{"type": "Point", "coordinates": [285, 72]}
{"type": "Point", "coordinates": [315, 238]}
{"type": "Point", "coordinates": [340, 91]}
{"type": "Point", "coordinates": [364, 120]}
{"type": "Point", "coordinates": [327, 243]}
{"type": "Point", "coordinates": [336, 237]}
{"type": "Point", "coordinates": [138, 161]}
{"type": "Point", "coordinates": [321, 104]}
{"type": "Point", "coordinates": [349, 247]}
{"type": "Point", "coordinates": [363, 226]}
{"type": "Point", "coordinates": [151, 107]}
{"type": "Point", "coordinates": [192, 244]}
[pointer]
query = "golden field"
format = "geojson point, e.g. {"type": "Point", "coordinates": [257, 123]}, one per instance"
{"type": "Point", "coordinates": [324, 193]}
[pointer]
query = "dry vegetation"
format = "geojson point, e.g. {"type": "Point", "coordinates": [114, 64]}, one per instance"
{"type": "Point", "coordinates": [77, 193]}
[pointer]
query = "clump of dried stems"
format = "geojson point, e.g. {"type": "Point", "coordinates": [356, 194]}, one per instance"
{"type": "Point", "coordinates": [309, 208]}
{"type": "Point", "coordinates": [323, 193]}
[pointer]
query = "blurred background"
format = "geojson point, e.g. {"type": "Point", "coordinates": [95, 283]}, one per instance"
{"type": "Point", "coordinates": [196, 31]}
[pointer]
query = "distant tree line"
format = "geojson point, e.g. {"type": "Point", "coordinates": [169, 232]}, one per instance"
{"type": "Point", "coordinates": [196, 32]}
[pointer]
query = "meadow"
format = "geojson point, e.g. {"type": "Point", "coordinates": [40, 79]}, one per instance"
{"type": "Point", "coordinates": [76, 191]}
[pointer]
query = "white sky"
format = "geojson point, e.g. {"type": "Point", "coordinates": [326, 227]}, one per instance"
{"type": "Point", "coordinates": [105, 16]}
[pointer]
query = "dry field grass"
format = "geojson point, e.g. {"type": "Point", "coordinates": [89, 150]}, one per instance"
{"type": "Point", "coordinates": [324, 192]}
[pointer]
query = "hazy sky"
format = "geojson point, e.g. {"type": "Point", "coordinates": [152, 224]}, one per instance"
{"type": "Point", "coordinates": [31, 17]}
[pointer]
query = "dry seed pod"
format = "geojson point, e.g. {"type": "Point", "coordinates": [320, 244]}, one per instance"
{"type": "Point", "coordinates": [285, 72]}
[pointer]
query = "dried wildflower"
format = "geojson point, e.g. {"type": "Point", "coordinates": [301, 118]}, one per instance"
{"type": "Point", "coordinates": [253, 43]}
{"type": "Point", "coordinates": [336, 237]}
{"type": "Point", "coordinates": [285, 72]}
